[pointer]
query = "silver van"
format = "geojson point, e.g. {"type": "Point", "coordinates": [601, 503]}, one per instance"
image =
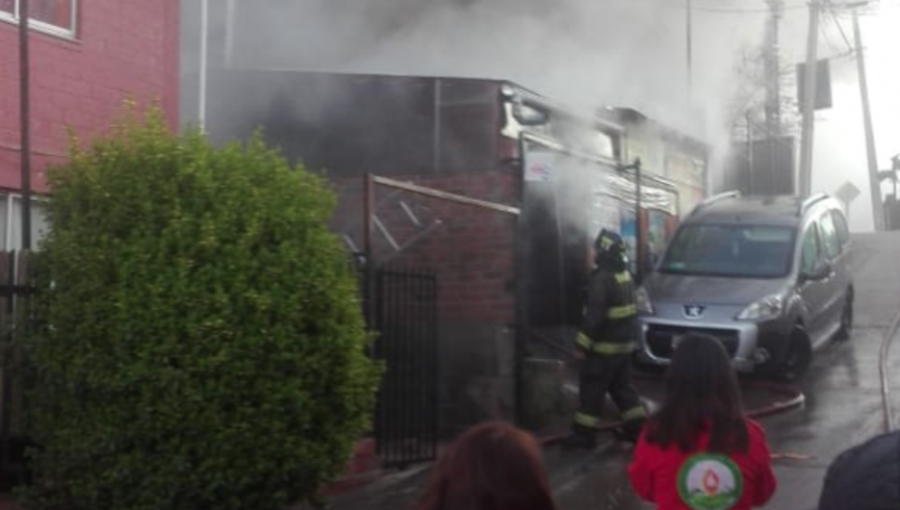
{"type": "Point", "coordinates": [769, 276]}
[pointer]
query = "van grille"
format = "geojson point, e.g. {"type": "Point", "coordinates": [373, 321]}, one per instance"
{"type": "Point", "coordinates": [659, 338]}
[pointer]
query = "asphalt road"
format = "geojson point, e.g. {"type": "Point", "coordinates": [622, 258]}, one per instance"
{"type": "Point", "coordinates": [842, 409]}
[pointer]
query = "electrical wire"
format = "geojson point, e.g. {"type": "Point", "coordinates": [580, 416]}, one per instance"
{"type": "Point", "coordinates": [824, 32]}
{"type": "Point", "coordinates": [841, 29]}
{"type": "Point", "coordinates": [719, 9]}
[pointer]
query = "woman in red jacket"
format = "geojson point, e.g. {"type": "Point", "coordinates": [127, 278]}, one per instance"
{"type": "Point", "coordinates": [700, 452]}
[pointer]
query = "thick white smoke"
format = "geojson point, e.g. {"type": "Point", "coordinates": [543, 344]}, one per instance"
{"type": "Point", "coordinates": [586, 53]}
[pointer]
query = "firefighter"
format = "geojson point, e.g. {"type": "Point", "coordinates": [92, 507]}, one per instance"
{"type": "Point", "coordinates": [606, 343]}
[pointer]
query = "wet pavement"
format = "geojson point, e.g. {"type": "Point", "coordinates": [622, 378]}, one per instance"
{"type": "Point", "coordinates": [842, 409]}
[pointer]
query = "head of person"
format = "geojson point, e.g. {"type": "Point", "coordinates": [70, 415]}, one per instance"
{"type": "Point", "coordinates": [865, 477]}
{"type": "Point", "coordinates": [609, 251]}
{"type": "Point", "coordinates": [702, 393]}
{"type": "Point", "coordinates": [492, 466]}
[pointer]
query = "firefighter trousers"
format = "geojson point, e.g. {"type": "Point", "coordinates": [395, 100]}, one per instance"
{"type": "Point", "coordinates": [602, 374]}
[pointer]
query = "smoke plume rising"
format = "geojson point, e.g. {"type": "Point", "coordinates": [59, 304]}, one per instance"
{"type": "Point", "coordinates": [585, 53]}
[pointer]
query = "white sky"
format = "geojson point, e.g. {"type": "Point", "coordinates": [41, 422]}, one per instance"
{"type": "Point", "coordinates": [840, 151]}
{"type": "Point", "coordinates": [839, 143]}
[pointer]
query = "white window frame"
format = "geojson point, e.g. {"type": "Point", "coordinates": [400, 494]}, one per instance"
{"type": "Point", "coordinates": [43, 26]}
{"type": "Point", "coordinates": [13, 221]}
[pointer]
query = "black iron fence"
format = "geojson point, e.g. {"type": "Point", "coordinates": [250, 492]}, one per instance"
{"type": "Point", "coordinates": [15, 292]}
{"type": "Point", "coordinates": [404, 313]}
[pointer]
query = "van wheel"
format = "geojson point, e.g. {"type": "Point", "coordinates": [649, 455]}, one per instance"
{"type": "Point", "coordinates": [797, 357]}
{"type": "Point", "coordinates": [846, 319]}
{"type": "Point", "coordinates": [645, 366]}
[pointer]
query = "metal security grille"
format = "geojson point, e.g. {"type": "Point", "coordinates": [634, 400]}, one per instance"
{"type": "Point", "coordinates": [405, 316]}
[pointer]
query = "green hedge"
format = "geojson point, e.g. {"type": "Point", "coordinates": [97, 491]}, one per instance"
{"type": "Point", "coordinates": [206, 347]}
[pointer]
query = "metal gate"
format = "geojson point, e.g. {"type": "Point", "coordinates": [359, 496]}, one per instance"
{"type": "Point", "coordinates": [405, 315]}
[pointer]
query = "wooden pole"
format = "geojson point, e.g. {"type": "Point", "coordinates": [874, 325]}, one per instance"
{"type": "Point", "coordinates": [874, 181]}
{"type": "Point", "coordinates": [809, 101]}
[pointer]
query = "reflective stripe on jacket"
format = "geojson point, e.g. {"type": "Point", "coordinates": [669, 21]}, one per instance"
{"type": "Point", "coordinates": [610, 311]}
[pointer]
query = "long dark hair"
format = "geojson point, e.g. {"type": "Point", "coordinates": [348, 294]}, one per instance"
{"type": "Point", "coordinates": [492, 466]}
{"type": "Point", "coordinates": [701, 391]}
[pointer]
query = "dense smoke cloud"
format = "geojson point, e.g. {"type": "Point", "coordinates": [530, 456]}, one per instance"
{"type": "Point", "coordinates": [583, 52]}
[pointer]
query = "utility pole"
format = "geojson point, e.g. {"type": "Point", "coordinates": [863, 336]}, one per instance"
{"type": "Point", "coordinates": [772, 64]}
{"type": "Point", "coordinates": [25, 119]}
{"type": "Point", "coordinates": [689, 28]}
{"type": "Point", "coordinates": [874, 182]}
{"type": "Point", "coordinates": [749, 118]}
{"type": "Point", "coordinates": [809, 100]}
{"type": "Point", "coordinates": [204, 62]}
{"type": "Point", "coordinates": [773, 72]}
{"type": "Point", "coordinates": [230, 9]}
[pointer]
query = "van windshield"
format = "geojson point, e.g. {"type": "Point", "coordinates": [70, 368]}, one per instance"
{"type": "Point", "coordinates": [736, 251]}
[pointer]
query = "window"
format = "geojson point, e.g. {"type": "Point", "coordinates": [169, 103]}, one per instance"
{"type": "Point", "coordinates": [830, 241]}
{"type": "Point", "coordinates": [11, 222]}
{"type": "Point", "coordinates": [810, 258]}
{"type": "Point", "coordinates": [840, 223]}
{"type": "Point", "coordinates": [52, 16]}
{"type": "Point", "coordinates": [736, 251]}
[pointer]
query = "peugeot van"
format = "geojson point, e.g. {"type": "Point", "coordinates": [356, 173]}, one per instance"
{"type": "Point", "coordinates": [770, 277]}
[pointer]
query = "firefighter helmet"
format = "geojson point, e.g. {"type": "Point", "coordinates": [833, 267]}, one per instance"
{"type": "Point", "coordinates": [609, 243]}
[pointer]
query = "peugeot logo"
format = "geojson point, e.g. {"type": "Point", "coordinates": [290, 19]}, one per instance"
{"type": "Point", "coordinates": [694, 311]}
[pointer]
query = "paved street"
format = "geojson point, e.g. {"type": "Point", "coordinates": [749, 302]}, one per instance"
{"type": "Point", "coordinates": [843, 408]}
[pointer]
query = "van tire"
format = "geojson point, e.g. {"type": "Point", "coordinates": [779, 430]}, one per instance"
{"type": "Point", "coordinates": [797, 357]}
{"type": "Point", "coordinates": [646, 367]}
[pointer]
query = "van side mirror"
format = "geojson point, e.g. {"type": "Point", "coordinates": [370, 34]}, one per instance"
{"type": "Point", "coordinates": [820, 273]}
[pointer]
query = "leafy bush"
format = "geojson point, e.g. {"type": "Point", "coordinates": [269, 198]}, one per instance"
{"type": "Point", "coordinates": [206, 347]}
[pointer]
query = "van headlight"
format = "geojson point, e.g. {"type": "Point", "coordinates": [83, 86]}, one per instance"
{"type": "Point", "coordinates": [769, 307]}
{"type": "Point", "coordinates": [642, 301]}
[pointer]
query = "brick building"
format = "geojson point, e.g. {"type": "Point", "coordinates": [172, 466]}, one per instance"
{"type": "Point", "coordinates": [86, 57]}
{"type": "Point", "coordinates": [509, 284]}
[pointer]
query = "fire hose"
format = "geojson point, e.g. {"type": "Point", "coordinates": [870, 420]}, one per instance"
{"type": "Point", "coordinates": [794, 398]}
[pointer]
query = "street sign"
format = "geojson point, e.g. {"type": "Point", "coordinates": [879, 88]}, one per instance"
{"type": "Point", "coordinates": [823, 84]}
{"type": "Point", "coordinates": [847, 192]}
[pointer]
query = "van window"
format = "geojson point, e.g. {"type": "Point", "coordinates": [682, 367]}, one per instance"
{"type": "Point", "coordinates": [830, 242]}
{"type": "Point", "coordinates": [730, 250]}
{"type": "Point", "coordinates": [840, 223]}
{"type": "Point", "coordinates": [810, 258]}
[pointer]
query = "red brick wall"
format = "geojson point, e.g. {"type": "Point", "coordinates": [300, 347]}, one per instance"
{"type": "Point", "coordinates": [472, 250]}
{"type": "Point", "coordinates": [123, 49]}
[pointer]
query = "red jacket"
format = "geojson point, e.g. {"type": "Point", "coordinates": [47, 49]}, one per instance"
{"type": "Point", "coordinates": [672, 478]}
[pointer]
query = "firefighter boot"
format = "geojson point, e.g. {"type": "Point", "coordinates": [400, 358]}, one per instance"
{"type": "Point", "coordinates": [629, 431]}
{"type": "Point", "coordinates": [581, 438]}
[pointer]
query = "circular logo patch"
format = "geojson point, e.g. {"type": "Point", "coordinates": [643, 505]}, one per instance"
{"type": "Point", "coordinates": [708, 481]}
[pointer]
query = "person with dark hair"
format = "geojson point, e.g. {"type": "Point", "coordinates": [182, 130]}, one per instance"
{"type": "Point", "coordinates": [865, 477]}
{"type": "Point", "coordinates": [700, 451]}
{"type": "Point", "coordinates": [492, 466]}
{"type": "Point", "coordinates": [606, 343]}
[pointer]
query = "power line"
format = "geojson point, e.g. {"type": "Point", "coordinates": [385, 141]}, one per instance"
{"type": "Point", "coordinates": [748, 10]}
{"type": "Point", "coordinates": [868, 8]}
{"type": "Point", "coordinates": [825, 35]}
{"type": "Point", "coordinates": [841, 29]}
{"type": "Point", "coordinates": [735, 10]}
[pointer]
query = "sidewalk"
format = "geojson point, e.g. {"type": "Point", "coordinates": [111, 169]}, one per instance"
{"type": "Point", "coordinates": [575, 477]}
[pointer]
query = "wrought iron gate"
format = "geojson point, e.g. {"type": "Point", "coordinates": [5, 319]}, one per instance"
{"type": "Point", "coordinates": [405, 315]}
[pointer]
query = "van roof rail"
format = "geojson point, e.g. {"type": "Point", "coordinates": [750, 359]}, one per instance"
{"type": "Point", "coordinates": [809, 202]}
{"type": "Point", "coordinates": [715, 198]}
